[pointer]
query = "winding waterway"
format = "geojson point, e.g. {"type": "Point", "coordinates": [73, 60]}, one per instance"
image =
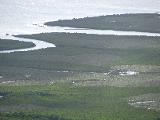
{"type": "Point", "coordinates": [27, 13]}
{"type": "Point", "coordinates": [38, 44]}
{"type": "Point", "coordinates": [42, 44]}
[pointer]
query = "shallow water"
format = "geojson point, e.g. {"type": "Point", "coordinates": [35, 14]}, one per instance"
{"type": "Point", "coordinates": [17, 16]}
{"type": "Point", "coordinates": [100, 32]}
{"type": "Point", "coordinates": [42, 44]}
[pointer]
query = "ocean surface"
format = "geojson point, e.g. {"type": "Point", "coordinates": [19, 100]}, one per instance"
{"type": "Point", "coordinates": [28, 16]}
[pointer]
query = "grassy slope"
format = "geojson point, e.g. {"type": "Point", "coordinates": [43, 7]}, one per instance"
{"type": "Point", "coordinates": [126, 22]}
{"type": "Point", "coordinates": [103, 50]}
{"type": "Point", "coordinates": [10, 44]}
{"type": "Point", "coordinates": [68, 102]}
{"type": "Point", "coordinates": [79, 52]}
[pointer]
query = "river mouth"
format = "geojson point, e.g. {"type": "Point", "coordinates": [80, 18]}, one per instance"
{"type": "Point", "coordinates": [43, 45]}
{"type": "Point", "coordinates": [78, 26]}
{"type": "Point", "coordinates": [106, 46]}
{"type": "Point", "coordinates": [78, 73]}
{"type": "Point", "coordinates": [38, 44]}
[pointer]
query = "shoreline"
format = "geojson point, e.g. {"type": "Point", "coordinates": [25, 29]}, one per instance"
{"type": "Point", "coordinates": [60, 27]}
{"type": "Point", "coordinates": [38, 45]}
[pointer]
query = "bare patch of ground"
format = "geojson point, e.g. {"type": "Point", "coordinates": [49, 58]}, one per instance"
{"type": "Point", "coordinates": [7, 82]}
{"type": "Point", "coordinates": [139, 68]}
{"type": "Point", "coordinates": [147, 101]}
{"type": "Point", "coordinates": [119, 76]}
{"type": "Point", "coordinates": [125, 76]}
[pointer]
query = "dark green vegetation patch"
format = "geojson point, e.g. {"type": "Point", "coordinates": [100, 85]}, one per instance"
{"type": "Point", "coordinates": [11, 44]}
{"type": "Point", "coordinates": [126, 22]}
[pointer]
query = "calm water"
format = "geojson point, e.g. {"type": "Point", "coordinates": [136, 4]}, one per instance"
{"type": "Point", "coordinates": [18, 16]}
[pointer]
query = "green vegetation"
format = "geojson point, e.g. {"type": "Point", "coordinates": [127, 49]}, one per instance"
{"type": "Point", "coordinates": [101, 50]}
{"type": "Point", "coordinates": [64, 101]}
{"type": "Point", "coordinates": [78, 53]}
{"type": "Point", "coordinates": [126, 22]}
{"type": "Point", "coordinates": [79, 78]}
{"type": "Point", "coordinates": [10, 44]}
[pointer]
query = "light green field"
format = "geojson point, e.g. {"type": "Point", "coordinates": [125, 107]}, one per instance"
{"type": "Point", "coordinates": [68, 102]}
